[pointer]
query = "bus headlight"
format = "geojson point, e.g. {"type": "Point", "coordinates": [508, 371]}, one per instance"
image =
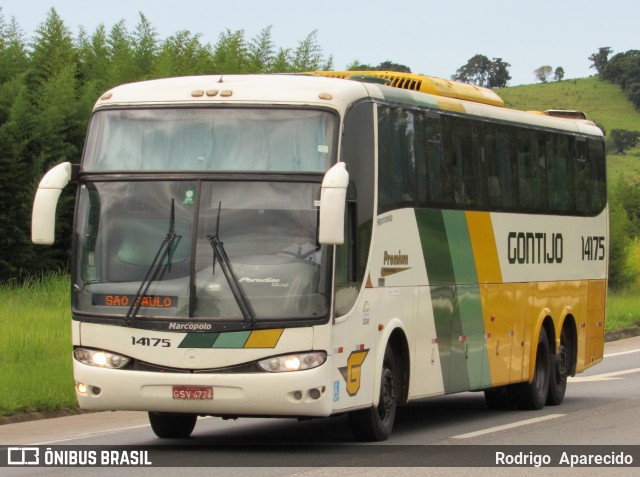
{"type": "Point", "coordinates": [102, 359]}
{"type": "Point", "coordinates": [293, 362]}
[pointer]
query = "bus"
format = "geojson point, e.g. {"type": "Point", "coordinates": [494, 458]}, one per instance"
{"type": "Point", "coordinates": [309, 245]}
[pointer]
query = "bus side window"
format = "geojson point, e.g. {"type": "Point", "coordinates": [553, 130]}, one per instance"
{"type": "Point", "coordinates": [560, 183]}
{"type": "Point", "coordinates": [420, 157]}
{"type": "Point", "coordinates": [346, 262]}
{"type": "Point", "coordinates": [461, 160]}
{"type": "Point", "coordinates": [358, 148]}
{"type": "Point", "coordinates": [439, 174]}
{"type": "Point", "coordinates": [596, 186]}
{"type": "Point", "coordinates": [396, 157]}
{"type": "Point", "coordinates": [581, 176]}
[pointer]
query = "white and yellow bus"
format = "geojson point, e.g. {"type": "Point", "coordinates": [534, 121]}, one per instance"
{"type": "Point", "coordinates": [305, 246]}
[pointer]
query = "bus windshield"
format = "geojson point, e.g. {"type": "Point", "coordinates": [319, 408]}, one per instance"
{"type": "Point", "coordinates": [266, 230]}
{"type": "Point", "coordinates": [210, 139]}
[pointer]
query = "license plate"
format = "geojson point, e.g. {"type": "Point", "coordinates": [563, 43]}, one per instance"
{"type": "Point", "coordinates": [193, 392]}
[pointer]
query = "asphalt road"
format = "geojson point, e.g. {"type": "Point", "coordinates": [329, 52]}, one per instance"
{"type": "Point", "coordinates": [601, 407]}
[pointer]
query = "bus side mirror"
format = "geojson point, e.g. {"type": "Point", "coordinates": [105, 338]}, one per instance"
{"type": "Point", "coordinates": [333, 197]}
{"type": "Point", "coordinates": [43, 215]}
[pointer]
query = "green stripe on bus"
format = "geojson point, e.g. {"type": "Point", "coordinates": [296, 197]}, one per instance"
{"type": "Point", "coordinates": [464, 268]}
{"type": "Point", "coordinates": [435, 246]}
{"type": "Point", "coordinates": [468, 296]}
{"type": "Point", "coordinates": [446, 313]}
{"type": "Point", "coordinates": [455, 294]}
{"type": "Point", "coordinates": [199, 340]}
{"type": "Point", "coordinates": [235, 339]}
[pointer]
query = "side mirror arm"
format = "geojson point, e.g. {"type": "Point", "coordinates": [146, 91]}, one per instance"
{"type": "Point", "coordinates": [43, 215]}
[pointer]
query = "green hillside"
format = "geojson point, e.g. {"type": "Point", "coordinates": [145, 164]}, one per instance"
{"type": "Point", "coordinates": [604, 103]}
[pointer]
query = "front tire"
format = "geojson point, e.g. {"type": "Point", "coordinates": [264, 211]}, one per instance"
{"type": "Point", "coordinates": [172, 426]}
{"type": "Point", "coordinates": [533, 395]}
{"type": "Point", "coordinates": [376, 423]}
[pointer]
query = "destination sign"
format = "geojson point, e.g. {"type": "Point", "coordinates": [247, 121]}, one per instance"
{"type": "Point", "coordinates": [146, 301]}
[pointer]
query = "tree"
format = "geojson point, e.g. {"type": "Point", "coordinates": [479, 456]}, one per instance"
{"type": "Point", "coordinates": [475, 71]}
{"type": "Point", "coordinates": [13, 55]}
{"type": "Point", "coordinates": [230, 53]}
{"type": "Point", "coordinates": [122, 64]}
{"type": "Point", "coordinates": [624, 69]}
{"type": "Point", "coordinates": [93, 57]}
{"type": "Point", "coordinates": [391, 66]}
{"type": "Point", "coordinates": [498, 74]}
{"type": "Point", "coordinates": [262, 52]}
{"type": "Point", "coordinates": [308, 55]}
{"type": "Point", "coordinates": [384, 66]}
{"type": "Point", "coordinates": [182, 54]}
{"type": "Point", "coordinates": [600, 58]}
{"type": "Point", "coordinates": [52, 49]}
{"type": "Point", "coordinates": [145, 47]}
{"type": "Point", "coordinates": [558, 74]}
{"type": "Point", "coordinates": [482, 71]}
{"type": "Point", "coordinates": [621, 140]}
{"type": "Point", "coordinates": [542, 74]}
{"type": "Point", "coordinates": [357, 66]}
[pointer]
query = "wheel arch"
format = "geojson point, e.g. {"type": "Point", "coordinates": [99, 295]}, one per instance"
{"type": "Point", "coordinates": [544, 321]}
{"type": "Point", "coordinates": [393, 335]}
{"type": "Point", "coordinates": [568, 323]}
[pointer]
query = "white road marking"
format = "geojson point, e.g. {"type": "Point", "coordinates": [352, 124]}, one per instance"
{"type": "Point", "coordinates": [101, 433]}
{"type": "Point", "coordinates": [603, 377]}
{"type": "Point", "coordinates": [490, 430]}
{"type": "Point", "coordinates": [89, 434]}
{"type": "Point", "coordinates": [621, 353]}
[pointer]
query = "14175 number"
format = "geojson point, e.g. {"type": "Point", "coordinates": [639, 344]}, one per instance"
{"type": "Point", "coordinates": [145, 341]}
{"type": "Point", "coordinates": [593, 248]}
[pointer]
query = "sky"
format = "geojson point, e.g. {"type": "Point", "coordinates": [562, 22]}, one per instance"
{"type": "Point", "coordinates": [430, 37]}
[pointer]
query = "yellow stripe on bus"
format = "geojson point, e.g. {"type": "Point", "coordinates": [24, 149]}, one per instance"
{"type": "Point", "coordinates": [484, 247]}
{"type": "Point", "coordinates": [264, 338]}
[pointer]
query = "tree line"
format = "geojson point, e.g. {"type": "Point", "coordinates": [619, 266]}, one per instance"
{"type": "Point", "coordinates": [49, 83]}
{"type": "Point", "coordinates": [622, 69]}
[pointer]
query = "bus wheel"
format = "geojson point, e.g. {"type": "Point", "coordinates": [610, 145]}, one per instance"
{"type": "Point", "coordinates": [533, 395]}
{"type": "Point", "coordinates": [376, 423]}
{"type": "Point", "coordinates": [174, 426]}
{"type": "Point", "coordinates": [560, 369]}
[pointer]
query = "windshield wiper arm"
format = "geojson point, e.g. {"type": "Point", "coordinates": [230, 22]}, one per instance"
{"type": "Point", "coordinates": [164, 250]}
{"type": "Point", "coordinates": [220, 255]}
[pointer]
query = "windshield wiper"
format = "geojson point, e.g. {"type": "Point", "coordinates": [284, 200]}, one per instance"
{"type": "Point", "coordinates": [165, 250]}
{"type": "Point", "coordinates": [220, 255]}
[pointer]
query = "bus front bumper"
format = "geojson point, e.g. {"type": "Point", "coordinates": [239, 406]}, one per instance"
{"type": "Point", "coordinates": [296, 394]}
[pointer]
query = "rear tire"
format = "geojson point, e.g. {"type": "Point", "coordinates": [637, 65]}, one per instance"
{"type": "Point", "coordinates": [560, 369]}
{"type": "Point", "coordinates": [376, 423]}
{"type": "Point", "coordinates": [172, 426]}
{"type": "Point", "coordinates": [533, 395]}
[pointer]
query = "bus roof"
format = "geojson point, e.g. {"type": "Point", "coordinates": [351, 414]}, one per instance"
{"type": "Point", "coordinates": [424, 84]}
{"type": "Point", "coordinates": [336, 90]}
{"type": "Point", "coordinates": [230, 89]}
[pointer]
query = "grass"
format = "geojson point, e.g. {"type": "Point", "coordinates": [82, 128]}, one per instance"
{"type": "Point", "coordinates": [603, 102]}
{"type": "Point", "coordinates": [623, 311]}
{"type": "Point", "coordinates": [625, 166]}
{"type": "Point", "coordinates": [35, 343]}
{"type": "Point", "coordinates": [35, 358]}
